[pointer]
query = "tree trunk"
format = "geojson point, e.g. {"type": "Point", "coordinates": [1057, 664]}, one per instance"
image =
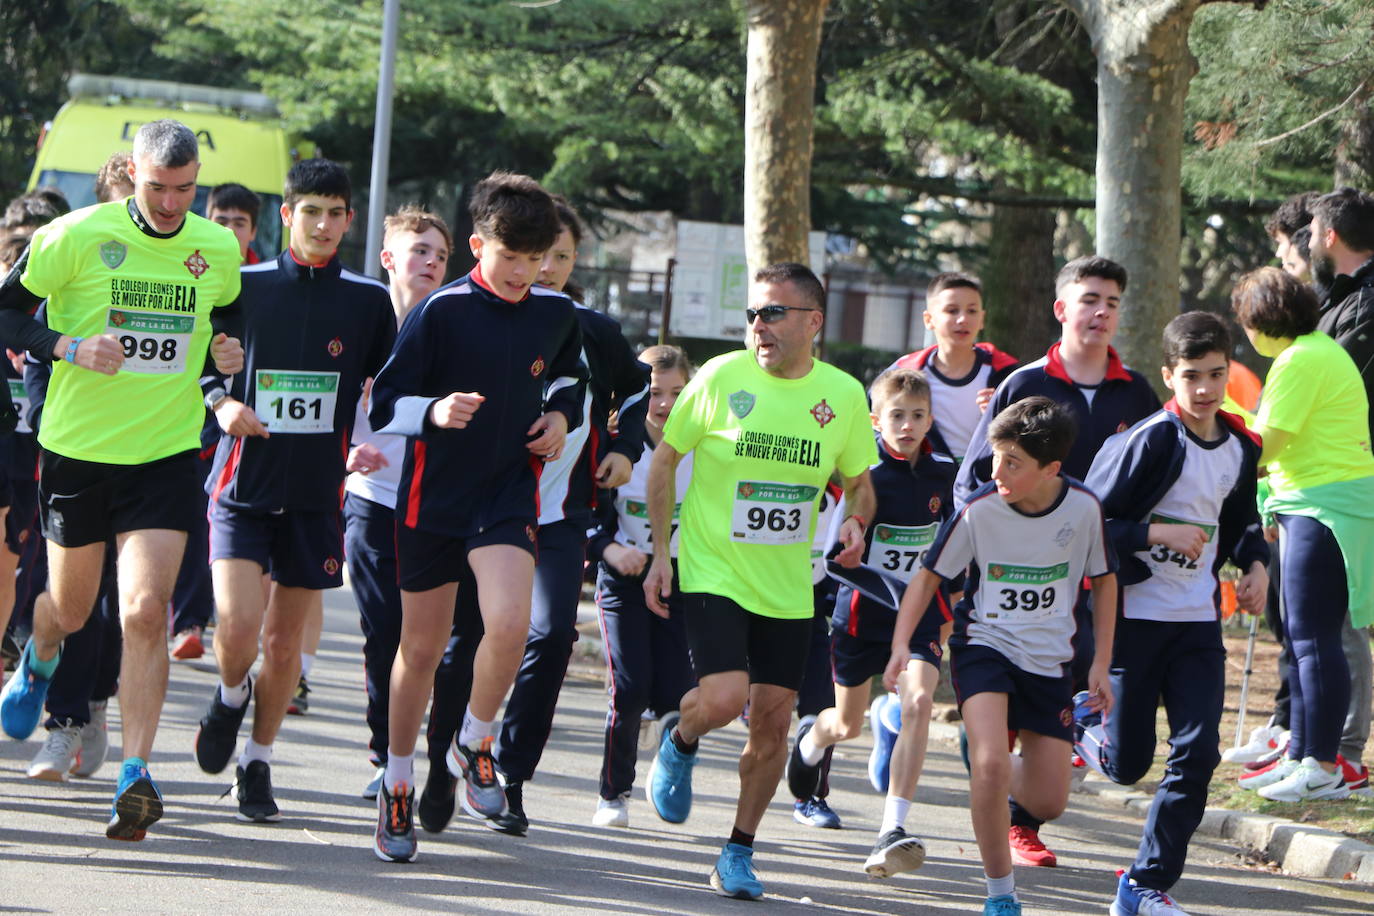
{"type": "Point", "coordinates": [1355, 152]}
{"type": "Point", "coordinates": [1018, 284]}
{"type": "Point", "coordinates": [1143, 70]}
{"type": "Point", "coordinates": [784, 38]}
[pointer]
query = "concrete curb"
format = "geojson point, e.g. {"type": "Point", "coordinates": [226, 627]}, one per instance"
{"type": "Point", "coordinates": [1310, 852]}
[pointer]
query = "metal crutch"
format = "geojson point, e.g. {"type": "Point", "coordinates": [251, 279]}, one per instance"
{"type": "Point", "coordinates": [1245, 678]}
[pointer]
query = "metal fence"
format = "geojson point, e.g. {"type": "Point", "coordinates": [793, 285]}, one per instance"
{"type": "Point", "coordinates": [632, 297]}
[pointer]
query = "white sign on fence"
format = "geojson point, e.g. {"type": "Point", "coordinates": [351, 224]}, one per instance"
{"type": "Point", "coordinates": [711, 279]}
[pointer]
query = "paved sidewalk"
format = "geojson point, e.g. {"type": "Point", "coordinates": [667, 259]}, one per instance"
{"type": "Point", "coordinates": [54, 857]}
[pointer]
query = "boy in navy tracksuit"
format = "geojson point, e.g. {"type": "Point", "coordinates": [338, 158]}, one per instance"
{"type": "Point", "coordinates": [313, 334]}
{"type": "Point", "coordinates": [485, 381]}
{"type": "Point", "coordinates": [1083, 374]}
{"type": "Point", "coordinates": [1178, 491]}
{"type": "Point", "coordinates": [913, 486]}
{"type": "Point", "coordinates": [568, 487]}
{"type": "Point", "coordinates": [646, 655]}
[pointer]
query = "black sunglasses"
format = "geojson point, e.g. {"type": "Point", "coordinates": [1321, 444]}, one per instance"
{"type": "Point", "coordinates": [773, 313]}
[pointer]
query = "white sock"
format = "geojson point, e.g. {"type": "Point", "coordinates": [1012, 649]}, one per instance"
{"type": "Point", "coordinates": [234, 696]}
{"type": "Point", "coordinates": [1000, 887]}
{"type": "Point", "coordinates": [254, 751]}
{"type": "Point", "coordinates": [400, 770]}
{"type": "Point", "coordinates": [474, 730]}
{"type": "Point", "coordinates": [307, 662]}
{"type": "Point", "coordinates": [811, 753]}
{"type": "Point", "coordinates": [894, 813]}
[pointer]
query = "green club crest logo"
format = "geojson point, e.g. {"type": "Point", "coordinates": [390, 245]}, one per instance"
{"type": "Point", "coordinates": [112, 254]}
{"type": "Point", "coordinates": [741, 402]}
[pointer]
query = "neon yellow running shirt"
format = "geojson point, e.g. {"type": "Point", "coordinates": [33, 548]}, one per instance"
{"type": "Point", "coordinates": [763, 448]}
{"type": "Point", "coordinates": [101, 274]}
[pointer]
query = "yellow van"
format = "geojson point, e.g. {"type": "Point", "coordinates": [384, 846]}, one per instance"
{"type": "Point", "coordinates": [241, 139]}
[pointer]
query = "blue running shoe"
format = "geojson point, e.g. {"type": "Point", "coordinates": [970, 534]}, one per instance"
{"type": "Point", "coordinates": [1089, 734]}
{"type": "Point", "coordinates": [137, 804]}
{"type": "Point", "coordinates": [21, 702]}
{"type": "Point", "coordinates": [1002, 905]}
{"type": "Point", "coordinates": [734, 876]}
{"type": "Point", "coordinates": [670, 778]}
{"type": "Point", "coordinates": [885, 718]}
{"type": "Point", "coordinates": [1084, 716]}
{"type": "Point", "coordinates": [1134, 900]}
{"type": "Point", "coordinates": [814, 812]}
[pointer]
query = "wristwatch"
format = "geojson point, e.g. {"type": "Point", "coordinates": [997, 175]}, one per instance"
{"type": "Point", "coordinates": [215, 397]}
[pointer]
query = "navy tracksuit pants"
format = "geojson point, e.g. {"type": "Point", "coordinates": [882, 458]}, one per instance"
{"type": "Point", "coordinates": [91, 657]}
{"type": "Point", "coordinates": [818, 683]}
{"type": "Point", "coordinates": [370, 547]}
{"type": "Point", "coordinates": [193, 598]}
{"type": "Point", "coordinates": [1183, 666]}
{"type": "Point", "coordinates": [649, 666]}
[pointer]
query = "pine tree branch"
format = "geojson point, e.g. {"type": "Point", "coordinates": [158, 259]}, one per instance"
{"type": "Point", "coordinates": [1317, 120]}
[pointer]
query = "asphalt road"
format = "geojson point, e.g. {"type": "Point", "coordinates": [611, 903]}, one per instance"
{"type": "Point", "coordinates": [54, 857]}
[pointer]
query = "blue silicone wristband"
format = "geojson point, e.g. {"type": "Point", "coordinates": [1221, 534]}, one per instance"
{"type": "Point", "coordinates": [70, 355]}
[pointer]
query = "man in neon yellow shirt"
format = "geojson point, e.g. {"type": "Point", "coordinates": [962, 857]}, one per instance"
{"type": "Point", "coordinates": [130, 286]}
{"type": "Point", "coordinates": [767, 427]}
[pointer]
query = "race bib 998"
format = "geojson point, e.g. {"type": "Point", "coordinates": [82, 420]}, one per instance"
{"type": "Point", "coordinates": [153, 342]}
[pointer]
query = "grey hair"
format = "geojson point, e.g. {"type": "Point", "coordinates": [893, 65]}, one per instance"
{"type": "Point", "coordinates": [166, 144]}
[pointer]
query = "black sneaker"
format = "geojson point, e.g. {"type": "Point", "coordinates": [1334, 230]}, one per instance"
{"type": "Point", "coordinates": [395, 837]}
{"type": "Point", "coordinates": [10, 651]}
{"type": "Point", "coordinates": [219, 732]}
{"type": "Point", "coordinates": [439, 798]}
{"type": "Point", "coordinates": [895, 852]}
{"type": "Point", "coordinates": [514, 820]}
{"type": "Point", "coordinates": [300, 701]}
{"type": "Point", "coordinates": [803, 779]}
{"type": "Point", "coordinates": [255, 793]}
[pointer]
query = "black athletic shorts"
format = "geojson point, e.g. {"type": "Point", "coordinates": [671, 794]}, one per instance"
{"type": "Point", "coordinates": [425, 560]}
{"type": "Point", "coordinates": [299, 549]}
{"type": "Point", "coordinates": [88, 502]}
{"type": "Point", "coordinates": [725, 637]}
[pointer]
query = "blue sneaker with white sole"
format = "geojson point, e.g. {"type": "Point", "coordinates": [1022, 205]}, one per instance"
{"type": "Point", "coordinates": [1002, 905]}
{"type": "Point", "coordinates": [734, 875]}
{"type": "Point", "coordinates": [670, 779]}
{"type": "Point", "coordinates": [814, 812]}
{"type": "Point", "coordinates": [1134, 900]}
{"type": "Point", "coordinates": [137, 803]}
{"type": "Point", "coordinates": [21, 702]}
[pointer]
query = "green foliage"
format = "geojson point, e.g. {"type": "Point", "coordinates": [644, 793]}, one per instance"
{"type": "Point", "coordinates": [1266, 73]}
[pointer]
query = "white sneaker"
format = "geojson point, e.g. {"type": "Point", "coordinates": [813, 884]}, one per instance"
{"type": "Point", "coordinates": [1308, 782]}
{"type": "Point", "coordinates": [374, 785]}
{"type": "Point", "coordinates": [612, 812]}
{"type": "Point", "coordinates": [58, 755]}
{"type": "Point", "coordinates": [1263, 740]}
{"type": "Point", "coordinates": [648, 732]}
{"type": "Point", "coordinates": [95, 741]}
{"type": "Point", "coordinates": [1277, 771]}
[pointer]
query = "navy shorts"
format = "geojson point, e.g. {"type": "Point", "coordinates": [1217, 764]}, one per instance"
{"type": "Point", "coordinates": [1034, 702]}
{"type": "Point", "coordinates": [88, 502]}
{"type": "Point", "coordinates": [855, 660]}
{"type": "Point", "coordinates": [23, 503]}
{"type": "Point", "coordinates": [299, 549]}
{"type": "Point", "coordinates": [425, 560]}
{"type": "Point", "coordinates": [723, 636]}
